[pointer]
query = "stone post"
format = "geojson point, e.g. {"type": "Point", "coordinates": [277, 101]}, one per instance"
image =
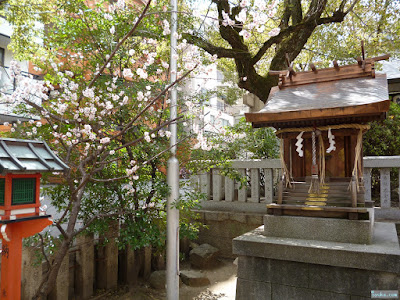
{"type": "Point", "coordinates": [242, 193]}
{"type": "Point", "coordinates": [85, 262]}
{"type": "Point", "coordinates": [107, 261]}
{"type": "Point", "coordinates": [367, 183]}
{"type": "Point", "coordinates": [147, 262]}
{"type": "Point", "coordinates": [269, 185]}
{"type": "Point", "coordinates": [205, 186]}
{"type": "Point", "coordinates": [255, 185]}
{"type": "Point", "coordinates": [217, 185]}
{"type": "Point", "coordinates": [31, 273]}
{"type": "Point", "coordinates": [385, 187]}
{"type": "Point", "coordinates": [229, 189]}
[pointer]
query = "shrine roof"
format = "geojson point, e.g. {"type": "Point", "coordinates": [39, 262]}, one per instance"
{"type": "Point", "coordinates": [330, 96]}
{"type": "Point", "coordinates": [28, 156]}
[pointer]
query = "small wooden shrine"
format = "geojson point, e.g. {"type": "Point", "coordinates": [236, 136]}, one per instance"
{"type": "Point", "coordinates": [320, 117]}
{"type": "Point", "coordinates": [21, 214]}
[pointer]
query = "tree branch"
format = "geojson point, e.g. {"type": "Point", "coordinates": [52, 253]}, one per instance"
{"type": "Point", "coordinates": [126, 127]}
{"type": "Point", "coordinates": [59, 227]}
{"type": "Point", "coordinates": [119, 44]}
{"type": "Point", "coordinates": [212, 49]}
{"type": "Point", "coordinates": [42, 248]}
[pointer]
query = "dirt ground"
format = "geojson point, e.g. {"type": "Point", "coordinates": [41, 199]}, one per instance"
{"type": "Point", "coordinates": [222, 287]}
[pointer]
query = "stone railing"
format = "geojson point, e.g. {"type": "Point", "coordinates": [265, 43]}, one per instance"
{"type": "Point", "coordinates": [385, 164]}
{"type": "Point", "coordinates": [224, 194]}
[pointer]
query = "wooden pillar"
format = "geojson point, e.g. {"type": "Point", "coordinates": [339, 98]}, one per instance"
{"type": "Point", "coordinates": [11, 255]}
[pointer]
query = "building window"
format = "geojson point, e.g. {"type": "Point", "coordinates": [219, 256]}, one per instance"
{"type": "Point", "coordinates": [220, 105]}
{"type": "Point", "coordinates": [2, 53]}
{"type": "Point", "coordinates": [212, 119]}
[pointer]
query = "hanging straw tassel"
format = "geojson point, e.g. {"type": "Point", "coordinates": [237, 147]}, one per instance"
{"type": "Point", "coordinates": [314, 186]}
{"type": "Point", "coordinates": [286, 172]}
{"type": "Point", "coordinates": [321, 160]}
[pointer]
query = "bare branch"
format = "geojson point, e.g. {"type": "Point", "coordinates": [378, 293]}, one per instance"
{"type": "Point", "coordinates": [163, 92]}
{"type": "Point", "coordinates": [119, 44]}
{"type": "Point", "coordinates": [42, 248]}
{"type": "Point", "coordinates": [131, 143]}
{"type": "Point", "coordinates": [59, 227]}
{"type": "Point", "coordinates": [351, 6]}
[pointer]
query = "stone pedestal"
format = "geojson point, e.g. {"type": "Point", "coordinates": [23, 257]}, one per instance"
{"type": "Point", "coordinates": [288, 268]}
{"type": "Point", "coordinates": [319, 229]}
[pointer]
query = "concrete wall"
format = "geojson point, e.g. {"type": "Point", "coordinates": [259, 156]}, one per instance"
{"type": "Point", "coordinates": [225, 226]}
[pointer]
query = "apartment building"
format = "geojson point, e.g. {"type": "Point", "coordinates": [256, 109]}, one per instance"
{"type": "Point", "coordinates": [7, 83]}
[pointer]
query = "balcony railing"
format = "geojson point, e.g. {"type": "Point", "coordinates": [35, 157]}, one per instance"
{"type": "Point", "coordinates": [226, 194]}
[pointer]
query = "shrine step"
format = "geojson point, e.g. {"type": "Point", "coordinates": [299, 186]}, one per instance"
{"type": "Point", "coordinates": [352, 213]}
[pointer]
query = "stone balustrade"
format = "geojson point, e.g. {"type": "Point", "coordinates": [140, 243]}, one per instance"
{"type": "Point", "coordinates": [225, 194]}
{"type": "Point", "coordinates": [385, 164]}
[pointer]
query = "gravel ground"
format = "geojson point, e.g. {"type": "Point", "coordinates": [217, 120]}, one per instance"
{"type": "Point", "coordinates": [222, 287]}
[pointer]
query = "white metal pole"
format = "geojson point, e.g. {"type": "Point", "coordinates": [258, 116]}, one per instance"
{"type": "Point", "coordinates": [173, 174]}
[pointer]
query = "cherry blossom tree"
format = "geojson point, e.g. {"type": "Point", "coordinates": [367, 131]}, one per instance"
{"type": "Point", "coordinates": [103, 108]}
{"type": "Point", "coordinates": [255, 36]}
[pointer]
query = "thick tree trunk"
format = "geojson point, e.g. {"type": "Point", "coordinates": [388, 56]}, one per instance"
{"type": "Point", "coordinates": [296, 29]}
{"type": "Point", "coordinates": [49, 281]}
{"type": "Point", "coordinates": [51, 278]}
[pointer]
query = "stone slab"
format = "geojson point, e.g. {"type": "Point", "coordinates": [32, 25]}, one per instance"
{"type": "Point", "coordinates": [320, 229]}
{"type": "Point", "coordinates": [383, 254]}
{"type": "Point", "coordinates": [204, 256]}
{"type": "Point", "coordinates": [194, 278]}
{"type": "Point", "coordinates": [158, 280]}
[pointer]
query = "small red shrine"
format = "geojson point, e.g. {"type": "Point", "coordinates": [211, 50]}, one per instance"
{"type": "Point", "coordinates": [21, 215]}
{"type": "Point", "coordinates": [320, 117]}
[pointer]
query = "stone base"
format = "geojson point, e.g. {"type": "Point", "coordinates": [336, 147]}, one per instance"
{"type": "Point", "coordinates": [223, 227]}
{"type": "Point", "coordinates": [286, 268]}
{"type": "Point", "coordinates": [320, 229]}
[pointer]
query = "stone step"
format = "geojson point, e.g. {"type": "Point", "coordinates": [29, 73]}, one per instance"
{"type": "Point", "coordinates": [322, 192]}
{"type": "Point", "coordinates": [338, 204]}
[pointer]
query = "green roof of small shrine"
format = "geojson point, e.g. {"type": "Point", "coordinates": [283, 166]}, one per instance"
{"type": "Point", "coordinates": [28, 156]}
